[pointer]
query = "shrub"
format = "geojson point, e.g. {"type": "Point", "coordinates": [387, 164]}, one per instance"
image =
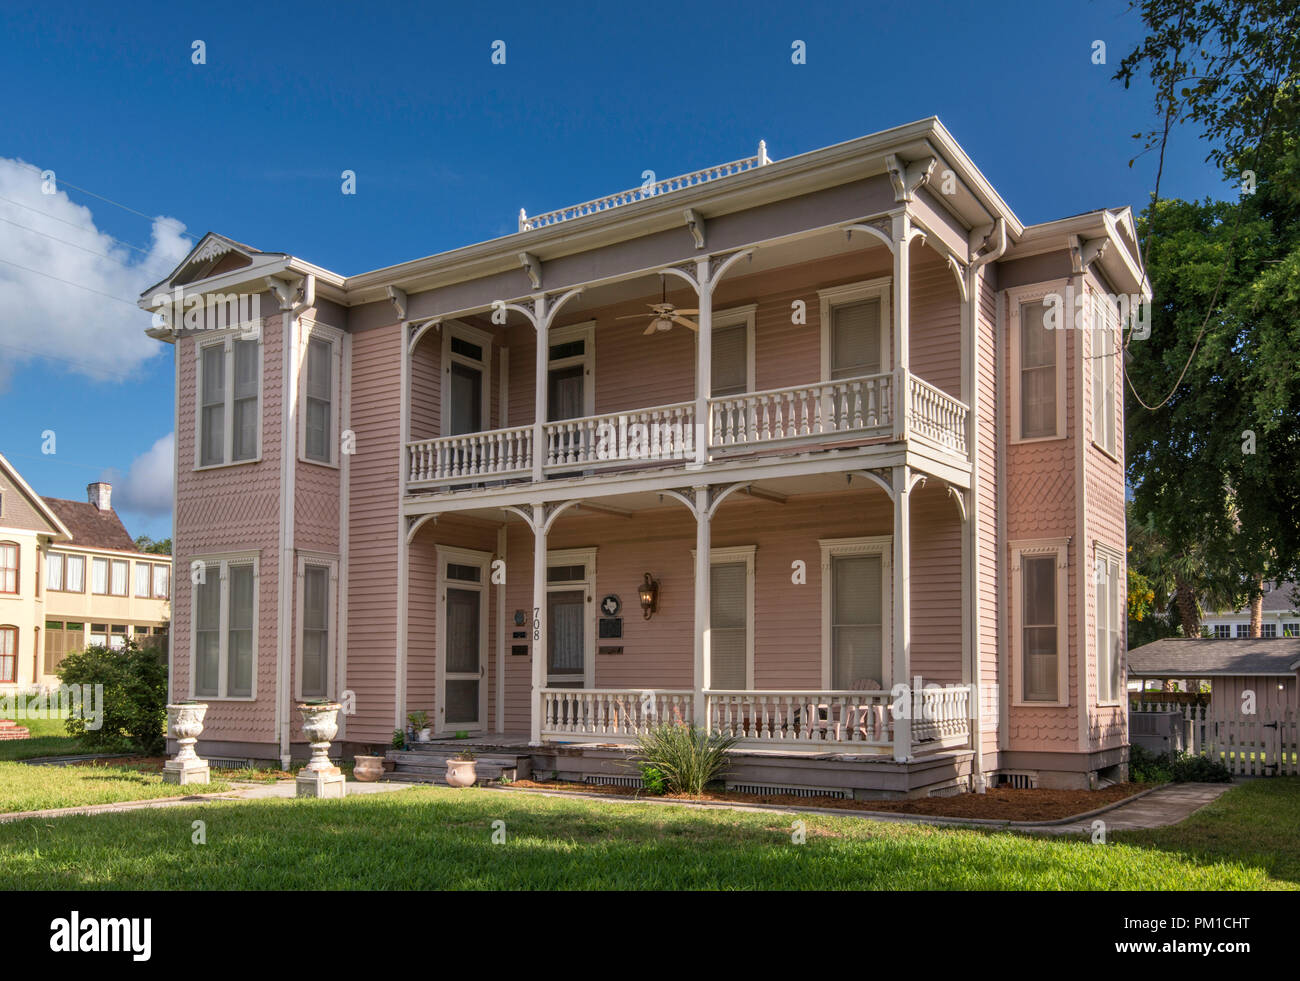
{"type": "Point", "coordinates": [134, 681]}
{"type": "Point", "coordinates": [1145, 766]}
{"type": "Point", "coordinates": [684, 759]}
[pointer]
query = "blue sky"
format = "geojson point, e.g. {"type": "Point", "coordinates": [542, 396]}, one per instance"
{"type": "Point", "coordinates": [447, 147]}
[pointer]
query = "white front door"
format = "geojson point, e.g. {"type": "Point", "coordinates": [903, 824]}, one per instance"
{"type": "Point", "coordinates": [462, 702]}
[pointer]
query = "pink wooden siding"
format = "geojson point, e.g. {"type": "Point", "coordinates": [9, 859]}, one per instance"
{"type": "Point", "coordinates": [372, 538]}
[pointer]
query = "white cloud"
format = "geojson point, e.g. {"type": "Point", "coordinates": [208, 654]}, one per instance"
{"type": "Point", "coordinates": [83, 325]}
{"type": "Point", "coordinates": [147, 487]}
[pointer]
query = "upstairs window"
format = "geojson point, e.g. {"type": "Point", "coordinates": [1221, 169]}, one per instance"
{"type": "Point", "coordinates": [99, 576]}
{"type": "Point", "coordinates": [118, 582]}
{"type": "Point", "coordinates": [318, 407]}
{"type": "Point", "coordinates": [855, 328]}
{"type": "Point", "coordinates": [65, 573]}
{"type": "Point", "coordinates": [733, 351]}
{"type": "Point", "coordinates": [1103, 378]}
{"type": "Point", "coordinates": [1037, 374]}
{"type": "Point", "coordinates": [8, 567]}
{"type": "Point", "coordinates": [229, 401]}
{"type": "Point", "coordinates": [161, 581]}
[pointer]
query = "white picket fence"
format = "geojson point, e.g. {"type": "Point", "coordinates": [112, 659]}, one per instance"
{"type": "Point", "coordinates": [1255, 747]}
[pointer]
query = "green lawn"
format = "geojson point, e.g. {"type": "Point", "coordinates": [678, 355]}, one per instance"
{"type": "Point", "coordinates": [48, 738]}
{"type": "Point", "coordinates": [37, 788]}
{"type": "Point", "coordinates": [435, 838]}
{"type": "Point", "coordinates": [1256, 824]}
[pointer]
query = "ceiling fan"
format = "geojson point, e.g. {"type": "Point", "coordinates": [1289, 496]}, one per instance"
{"type": "Point", "coordinates": [664, 315]}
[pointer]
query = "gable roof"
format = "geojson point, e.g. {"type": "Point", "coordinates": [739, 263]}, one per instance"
{"type": "Point", "coordinates": [1203, 657]}
{"type": "Point", "coordinates": [59, 529]}
{"type": "Point", "coordinates": [91, 527]}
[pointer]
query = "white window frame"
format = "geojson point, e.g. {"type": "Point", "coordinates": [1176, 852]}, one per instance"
{"type": "Point", "coordinates": [585, 557]}
{"type": "Point", "coordinates": [331, 564]}
{"type": "Point", "coordinates": [731, 317]}
{"type": "Point", "coordinates": [1112, 561]}
{"type": "Point", "coordinates": [223, 561]}
{"type": "Point", "coordinates": [585, 332]}
{"type": "Point", "coordinates": [471, 335]}
{"type": "Point", "coordinates": [837, 296]}
{"type": "Point", "coordinates": [1103, 326]}
{"type": "Point", "coordinates": [313, 331]}
{"type": "Point", "coordinates": [251, 331]}
{"type": "Point", "coordinates": [882, 545]}
{"type": "Point", "coordinates": [449, 555]}
{"type": "Point", "coordinates": [1015, 299]}
{"type": "Point", "coordinates": [1059, 548]}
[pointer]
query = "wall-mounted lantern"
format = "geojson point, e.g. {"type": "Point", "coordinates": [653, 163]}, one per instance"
{"type": "Point", "coordinates": [649, 594]}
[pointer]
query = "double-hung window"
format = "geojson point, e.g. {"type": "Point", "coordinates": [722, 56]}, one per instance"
{"type": "Point", "coordinates": [855, 328]}
{"type": "Point", "coordinates": [732, 349]}
{"type": "Point", "coordinates": [118, 577]}
{"type": "Point", "coordinates": [731, 618]}
{"type": "Point", "coordinates": [8, 567]}
{"type": "Point", "coordinates": [224, 646]}
{"type": "Point", "coordinates": [1104, 354]}
{"type": "Point", "coordinates": [1037, 366]}
{"type": "Point", "coordinates": [320, 393]}
{"type": "Point", "coordinates": [143, 580]}
{"type": "Point", "coordinates": [1039, 621]}
{"type": "Point", "coordinates": [1110, 626]}
{"type": "Point", "coordinates": [65, 573]}
{"type": "Point", "coordinates": [229, 400]}
{"type": "Point", "coordinates": [856, 583]}
{"type": "Point", "coordinates": [317, 598]}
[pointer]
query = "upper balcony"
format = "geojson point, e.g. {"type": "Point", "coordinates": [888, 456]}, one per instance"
{"type": "Point", "coordinates": [840, 339]}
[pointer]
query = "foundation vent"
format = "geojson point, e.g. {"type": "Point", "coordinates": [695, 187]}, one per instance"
{"type": "Point", "coordinates": [774, 790]}
{"type": "Point", "coordinates": [1018, 779]}
{"type": "Point", "coordinates": [226, 763]}
{"type": "Point", "coordinates": [602, 780]}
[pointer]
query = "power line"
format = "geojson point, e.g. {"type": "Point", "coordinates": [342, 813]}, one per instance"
{"type": "Point", "coordinates": [68, 282]}
{"type": "Point", "coordinates": [73, 224]}
{"type": "Point", "coordinates": [58, 181]}
{"type": "Point", "coordinates": [61, 241]}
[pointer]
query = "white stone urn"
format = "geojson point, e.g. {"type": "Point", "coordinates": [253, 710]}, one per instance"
{"type": "Point", "coordinates": [320, 724]}
{"type": "Point", "coordinates": [462, 773]}
{"type": "Point", "coordinates": [185, 722]}
{"type": "Point", "coordinates": [368, 769]}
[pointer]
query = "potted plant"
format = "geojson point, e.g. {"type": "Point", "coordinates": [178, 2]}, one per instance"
{"type": "Point", "coordinates": [462, 770]}
{"type": "Point", "coordinates": [368, 769]}
{"type": "Point", "coordinates": [420, 725]}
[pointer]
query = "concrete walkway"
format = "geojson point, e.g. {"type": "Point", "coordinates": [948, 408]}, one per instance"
{"type": "Point", "coordinates": [239, 791]}
{"type": "Point", "coordinates": [1162, 807]}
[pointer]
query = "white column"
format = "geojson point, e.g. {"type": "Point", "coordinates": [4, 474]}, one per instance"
{"type": "Point", "coordinates": [543, 331]}
{"type": "Point", "coordinates": [902, 230]}
{"type": "Point", "coordinates": [703, 660]}
{"type": "Point", "coordinates": [703, 362]}
{"type": "Point", "coordinates": [902, 615]}
{"type": "Point", "coordinates": [539, 620]}
{"type": "Point", "coordinates": [404, 469]}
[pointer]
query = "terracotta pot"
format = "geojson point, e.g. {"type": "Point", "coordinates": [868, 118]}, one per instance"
{"type": "Point", "coordinates": [368, 769]}
{"type": "Point", "coordinates": [462, 773]}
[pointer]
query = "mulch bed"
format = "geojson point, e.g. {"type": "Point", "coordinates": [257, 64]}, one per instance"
{"type": "Point", "coordinates": [1001, 804]}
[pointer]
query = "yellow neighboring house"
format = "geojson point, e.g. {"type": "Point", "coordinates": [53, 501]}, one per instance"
{"type": "Point", "coordinates": [70, 575]}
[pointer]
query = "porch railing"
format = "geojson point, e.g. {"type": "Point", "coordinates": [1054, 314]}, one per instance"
{"type": "Point", "coordinates": [473, 456]}
{"type": "Point", "coordinates": [941, 717]}
{"type": "Point", "coordinates": [803, 717]}
{"type": "Point", "coordinates": [661, 433]}
{"type": "Point", "coordinates": [936, 416]}
{"type": "Point", "coordinates": [586, 712]}
{"type": "Point", "coordinates": [849, 405]}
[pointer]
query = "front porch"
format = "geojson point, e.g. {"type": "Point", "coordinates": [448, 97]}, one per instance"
{"type": "Point", "coordinates": [784, 616]}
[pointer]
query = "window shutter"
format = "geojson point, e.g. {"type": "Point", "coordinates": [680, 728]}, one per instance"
{"type": "Point", "coordinates": [855, 339]}
{"type": "Point", "coordinates": [729, 628]}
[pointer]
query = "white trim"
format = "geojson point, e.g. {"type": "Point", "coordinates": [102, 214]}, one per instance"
{"type": "Point", "coordinates": [471, 335]}
{"type": "Point", "coordinates": [345, 504]}
{"type": "Point", "coordinates": [585, 557]}
{"type": "Point", "coordinates": [331, 564]}
{"type": "Point", "coordinates": [223, 561]}
{"type": "Point", "coordinates": [1058, 547]}
{"type": "Point", "coordinates": [883, 546]}
{"type": "Point", "coordinates": [226, 339]}
{"type": "Point", "coordinates": [730, 317]}
{"type": "Point", "coordinates": [584, 331]}
{"type": "Point", "coordinates": [447, 554]}
{"type": "Point", "coordinates": [835, 296]}
{"type": "Point", "coordinates": [333, 336]}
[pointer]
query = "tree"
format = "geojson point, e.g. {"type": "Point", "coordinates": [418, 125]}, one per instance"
{"type": "Point", "coordinates": [146, 544]}
{"type": "Point", "coordinates": [1214, 392]}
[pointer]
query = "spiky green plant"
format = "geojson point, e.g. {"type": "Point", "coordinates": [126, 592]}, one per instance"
{"type": "Point", "coordinates": [687, 757]}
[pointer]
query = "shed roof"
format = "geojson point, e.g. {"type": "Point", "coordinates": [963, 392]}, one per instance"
{"type": "Point", "coordinates": [1205, 657]}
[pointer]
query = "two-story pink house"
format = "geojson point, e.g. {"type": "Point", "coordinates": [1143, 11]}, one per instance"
{"type": "Point", "coordinates": [749, 447]}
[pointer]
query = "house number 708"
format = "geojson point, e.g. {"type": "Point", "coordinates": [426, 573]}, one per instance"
{"type": "Point", "coordinates": [537, 623]}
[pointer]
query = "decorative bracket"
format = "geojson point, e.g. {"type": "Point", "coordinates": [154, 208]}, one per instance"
{"type": "Point", "coordinates": [906, 178]}
{"type": "Point", "coordinates": [695, 223]}
{"type": "Point", "coordinates": [882, 228]}
{"type": "Point", "coordinates": [398, 296]}
{"type": "Point", "coordinates": [882, 478]}
{"type": "Point", "coordinates": [959, 496]}
{"type": "Point", "coordinates": [959, 271]}
{"type": "Point", "coordinates": [1084, 252]}
{"type": "Point", "coordinates": [531, 263]}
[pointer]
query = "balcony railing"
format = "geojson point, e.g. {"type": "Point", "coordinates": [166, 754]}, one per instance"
{"type": "Point", "coordinates": [850, 405]}
{"type": "Point", "coordinates": [660, 434]}
{"type": "Point", "coordinates": [645, 191]}
{"type": "Point", "coordinates": [865, 407]}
